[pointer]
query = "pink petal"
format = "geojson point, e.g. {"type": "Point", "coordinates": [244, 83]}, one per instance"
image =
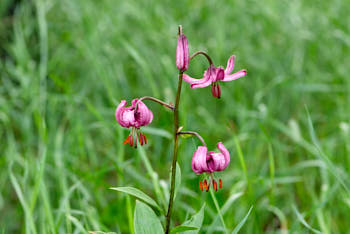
{"type": "Point", "coordinates": [230, 65]}
{"type": "Point", "coordinates": [119, 112]}
{"type": "Point", "coordinates": [216, 162]}
{"type": "Point", "coordinates": [182, 59]}
{"type": "Point", "coordinates": [124, 115]}
{"type": "Point", "coordinates": [199, 160]}
{"type": "Point", "coordinates": [143, 115]}
{"type": "Point", "coordinates": [209, 75]}
{"type": "Point", "coordinates": [225, 153]}
{"type": "Point", "coordinates": [220, 74]}
{"type": "Point", "coordinates": [191, 80]}
{"type": "Point", "coordinates": [235, 76]}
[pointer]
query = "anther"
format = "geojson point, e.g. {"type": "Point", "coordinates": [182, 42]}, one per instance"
{"type": "Point", "coordinates": [127, 140]}
{"type": "Point", "coordinates": [206, 186]}
{"type": "Point", "coordinates": [213, 89]}
{"type": "Point", "coordinates": [218, 91]}
{"type": "Point", "coordinates": [220, 183]}
{"type": "Point", "coordinates": [215, 185]}
{"type": "Point", "coordinates": [141, 138]}
{"type": "Point", "coordinates": [201, 185]}
{"type": "Point", "coordinates": [131, 140]}
{"type": "Point", "coordinates": [144, 139]}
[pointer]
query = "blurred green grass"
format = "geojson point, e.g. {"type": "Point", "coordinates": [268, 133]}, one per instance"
{"type": "Point", "coordinates": [65, 65]}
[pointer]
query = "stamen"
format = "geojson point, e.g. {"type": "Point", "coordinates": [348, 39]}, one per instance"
{"type": "Point", "coordinates": [144, 138]}
{"type": "Point", "coordinates": [209, 183]}
{"type": "Point", "coordinates": [127, 140]}
{"type": "Point", "coordinates": [141, 138]}
{"type": "Point", "coordinates": [206, 186]}
{"type": "Point", "coordinates": [218, 91]}
{"type": "Point", "coordinates": [220, 183]}
{"type": "Point", "coordinates": [213, 89]}
{"type": "Point", "coordinates": [201, 185]}
{"type": "Point", "coordinates": [215, 185]}
{"type": "Point", "coordinates": [131, 140]}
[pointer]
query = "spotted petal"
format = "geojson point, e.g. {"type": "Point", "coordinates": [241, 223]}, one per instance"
{"type": "Point", "coordinates": [199, 160]}
{"type": "Point", "coordinates": [124, 115]}
{"type": "Point", "coordinates": [143, 115]}
{"type": "Point", "coordinates": [219, 161]}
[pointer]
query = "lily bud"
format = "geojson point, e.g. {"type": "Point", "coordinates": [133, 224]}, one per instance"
{"type": "Point", "coordinates": [182, 59]}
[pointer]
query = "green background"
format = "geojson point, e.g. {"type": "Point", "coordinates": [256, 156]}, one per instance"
{"type": "Point", "coordinates": [65, 66]}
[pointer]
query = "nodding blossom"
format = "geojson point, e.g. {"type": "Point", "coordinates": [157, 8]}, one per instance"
{"type": "Point", "coordinates": [129, 117]}
{"type": "Point", "coordinates": [182, 59]}
{"type": "Point", "coordinates": [209, 162]}
{"type": "Point", "coordinates": [213, 75]}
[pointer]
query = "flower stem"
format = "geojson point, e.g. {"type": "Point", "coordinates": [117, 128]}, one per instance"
{"type": "Point", "coordinates": [202, 53]}
{"type": "Point", "coordinates": [218, 210]}
{"type": "Point", "coordinates": [195, 134]}
{"type": "Point", "coordinates": [155, 100]}
{"type": "Point", "coordinates": [176, 140]}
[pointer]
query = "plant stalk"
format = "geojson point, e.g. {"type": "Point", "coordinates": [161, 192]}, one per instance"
{"type": "Point", "coordinates": [176, 140]}
{"type": "Point", "coordinates": [202, 53]}
{"type": "Point", "coordinates": [194, 134]}
{"type": "Point", "coordinates": [155, 100]}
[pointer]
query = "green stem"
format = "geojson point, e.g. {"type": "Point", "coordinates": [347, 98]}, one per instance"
{"type": "Point", "coordinates": [176, 140]}
{"type": "Point", "coordinates": [155, 100]}
{"type": "Point", "coordinates": [218, 209]}
{"type": "Point", "coordinates": [202, 53]}
{"type": "Point", "coordinates": [194, 134]}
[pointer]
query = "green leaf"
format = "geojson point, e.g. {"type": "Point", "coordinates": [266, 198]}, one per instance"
{"type": "Point", "coordinates": [177, 179]}
{"type": "Point", "coordinates": [182, 228]}
{"type": "Point", "coordinates": [302, 220]}
{"type": "Point", "coordinates": [240, 225]}
{"type": "Point", "coordinates": [137, 193]}
{"type": "Point", "coordinates": [145, 220]}
{"type": "Point", "coordinates": [195, 221]}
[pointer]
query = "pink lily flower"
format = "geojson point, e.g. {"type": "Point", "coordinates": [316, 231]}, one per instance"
{"type": "Point", "coordinates": [209, 162]}
{"type": "Point", "coordinates": [182, 59]}
{"type": "Point", "coordinates": [129, 117]}
{"type": "Point", "coordinates": [215, 74]}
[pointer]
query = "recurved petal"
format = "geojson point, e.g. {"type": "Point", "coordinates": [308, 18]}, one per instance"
{"type": "Point", "coordinates": [199, 160]}
{"type": "Point", "coordinates": [209, 76]}
{"type": "Point", "coordinates": [216, 162]}
{"type": "Point", "coordinates": [191, 80]}
{"type": "Point", "coordinates": [220, 74]}
{"type": "Point", "coordinates": [119, 112]}
{"type": "Point", "coordinates": [143, 115]}
{"type": "Point", "coordinates": [124, 115]}
{"type": "Point", "coordinates": [235, 76]}
{"type": "Point", "coordinates": [230, 65]}
{"type": "Point", "coordinates": [225, 153]}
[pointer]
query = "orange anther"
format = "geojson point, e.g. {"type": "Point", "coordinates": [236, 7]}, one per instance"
{"type": "Point", "coordinates": [220, 183]}
{"type": "Point", "coordinates": [201, 185]}
{"type": "Point", "coordinates": [141, 138]}
{"type": "Point", "coordinates": [215, 185]}
{"type": "Point", "coordinates": [206, 186]}
{"type": "Point", "coordinates": [126, 140]}
{"type": "Point", "coordinates": [144, 139]}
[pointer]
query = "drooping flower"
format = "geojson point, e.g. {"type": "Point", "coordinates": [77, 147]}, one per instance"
{"type": "Point", "coordinates": [214, 74]}
{"type": "Point", "coordinates": [182, 58]}
{"type": "Point", "coordinates": [209, 162]}
{"type": "Point", "coordinates": [129, 117]}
